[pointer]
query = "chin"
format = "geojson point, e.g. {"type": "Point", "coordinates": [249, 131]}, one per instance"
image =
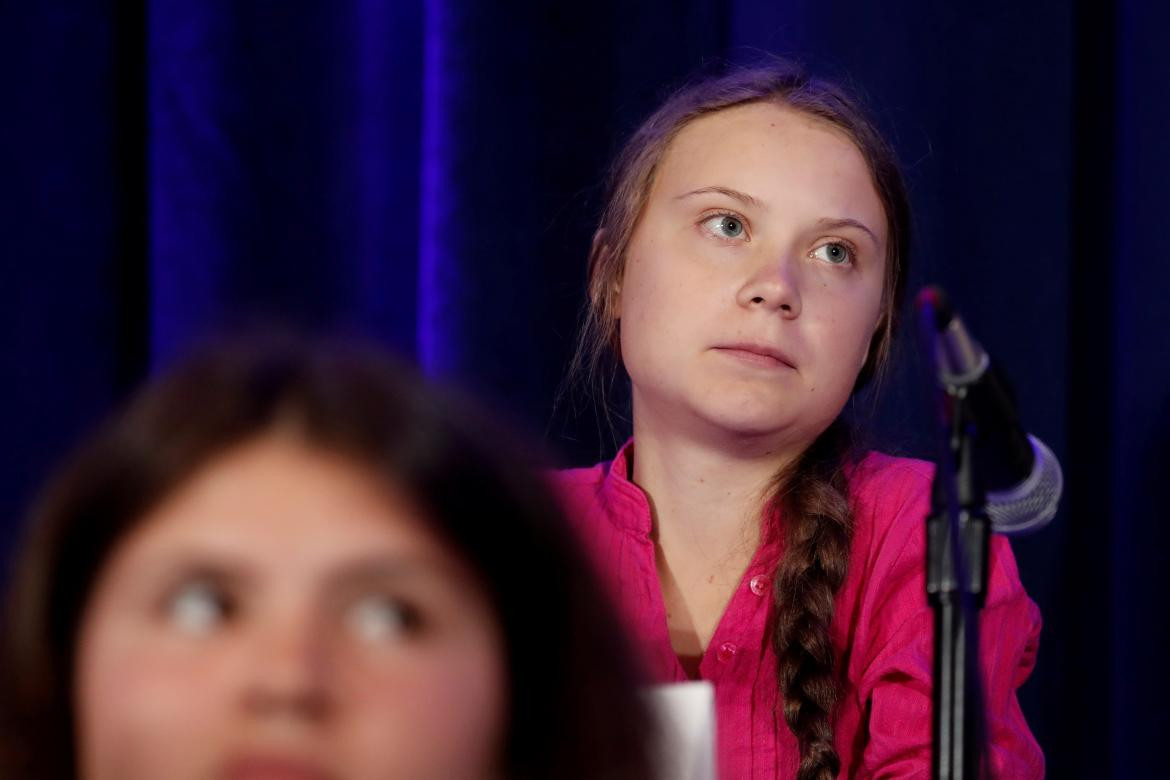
{"type": "Point", "coordinates": [763, 419]}
{"type": "Point", "coordinates": [750, 423]}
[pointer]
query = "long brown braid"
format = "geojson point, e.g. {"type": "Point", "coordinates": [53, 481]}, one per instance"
{"type": "Point", "coordinates": [818, 529]}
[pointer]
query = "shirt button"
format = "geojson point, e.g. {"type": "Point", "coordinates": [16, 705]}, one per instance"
{"type": "Point", "coordinates": [759, 585]}
{"type": "Point", "coordinates": [726, 652]}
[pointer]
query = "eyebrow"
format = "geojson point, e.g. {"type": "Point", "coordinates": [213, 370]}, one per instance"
{"type": "Point", "coordinates": [742, 197]}
{"type": "Point", "coordinates": [213, 566]}
{"type": "Point", "coordinates": [828, 223]}
{"type": "Point", "coordinates": [167, 574]}
{"type": "Point", "coordinates": [388, 569]}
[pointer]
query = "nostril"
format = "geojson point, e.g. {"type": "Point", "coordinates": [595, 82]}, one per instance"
{"type": "Point", "coordinates": [785, 307]}
{"type": "Point", "coordinates": [757, 299]}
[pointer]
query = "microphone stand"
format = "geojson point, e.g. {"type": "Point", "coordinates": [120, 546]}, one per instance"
{"type": "Point", "coordinates": [958, 536]}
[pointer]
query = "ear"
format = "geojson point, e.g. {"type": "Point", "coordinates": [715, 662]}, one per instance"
{"type": "Point", "coordinates": [877, 328]}
{"type": "Point", "coordinates": [598, 255]}
{"type": "Point", "coordinates": [598, 242]}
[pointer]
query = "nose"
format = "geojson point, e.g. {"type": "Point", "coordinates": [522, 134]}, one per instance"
{"type": "Point", "coordinates": [287, 670]}
{"type": "Point", "coordinates": [773, 286]}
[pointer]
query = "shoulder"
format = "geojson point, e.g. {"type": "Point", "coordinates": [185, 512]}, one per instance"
{"type": "Point", "coordinates": [586, 491]}
{"type": "Point", "coordinates": [577, 478]}
{"type": "Point", "coordinates": [890, 497]}
{"type": "Point", "coordinates": [886, 580]}
{"type": "Point", "coordinates": [602, 501]}
{"type": "Point", "coordinates": [891, 624]}
{"type": "Point", "coordinates": [882, 478]}
{"type": "Point", "coordinates": [577, 487]}
{"type": "Point", "coordinates": [582, 494]}
{"type": "Point", "coordinates": [891, 500]}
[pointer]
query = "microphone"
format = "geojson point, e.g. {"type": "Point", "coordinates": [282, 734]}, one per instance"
{"type": "Point", "coordinates": [1020, 473]}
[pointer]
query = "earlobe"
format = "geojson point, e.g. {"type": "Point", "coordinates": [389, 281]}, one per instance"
{"type": "Point", "coordinates": [597, 250]}
{"type": "Point", "coordinates": [598, 257]}
{"type": "Point", "coordinates": [598, 243]}
{"type": "Point", "coordinates": [877, 327]}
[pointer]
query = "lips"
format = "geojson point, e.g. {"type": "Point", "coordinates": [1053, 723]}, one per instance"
{"type": "Point", "coordinates": [759, 354]}
{"type": "Point", "coordinates": [270, 767]}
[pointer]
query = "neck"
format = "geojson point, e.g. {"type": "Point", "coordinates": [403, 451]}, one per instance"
{"type": "Point", "coordinates": [707, 488]}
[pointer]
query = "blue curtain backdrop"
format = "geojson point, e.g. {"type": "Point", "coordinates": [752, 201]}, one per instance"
{"type": "Point", "coordinates": [426, 175]}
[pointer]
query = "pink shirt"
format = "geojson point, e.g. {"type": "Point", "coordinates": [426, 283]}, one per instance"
{"type": "Point", "coordinates": [882, 618]}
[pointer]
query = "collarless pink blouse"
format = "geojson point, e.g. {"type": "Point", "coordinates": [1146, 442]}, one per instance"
{"type": "Point", "coordinates": [882, 622]}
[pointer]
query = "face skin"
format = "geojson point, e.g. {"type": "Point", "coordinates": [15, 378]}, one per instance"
{"type": "Point", "coordinates": [284, 615]}
{"type": "Point", "coordinates": [753, 281]}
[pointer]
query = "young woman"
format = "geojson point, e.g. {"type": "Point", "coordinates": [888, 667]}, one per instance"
{"type": "Point", "coordinates": [747, 275]}
{"type": "Point", "coordinates": [287, 563]}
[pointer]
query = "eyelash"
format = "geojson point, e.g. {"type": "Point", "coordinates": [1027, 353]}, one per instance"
{"type": "Point", "coordinates": [847, 245]}
{"type": "Point", "coordinates": [409, 618]}
{"type": "Point", "coordinates": [703, 220]}
{"type": "Point", "coordinates": [223, 600]}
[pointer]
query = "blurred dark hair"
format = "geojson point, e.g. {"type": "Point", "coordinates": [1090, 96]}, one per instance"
{"type": "Point", "coordinates": [574, 712]}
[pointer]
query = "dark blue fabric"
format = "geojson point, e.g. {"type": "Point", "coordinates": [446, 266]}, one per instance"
{"type": "Point", "coordinates": [427, 175]}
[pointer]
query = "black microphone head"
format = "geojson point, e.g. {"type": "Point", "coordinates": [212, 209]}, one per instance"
{"type": "Point", "coordinates": [958, 358]}
{"type": "Point", "coordinates": [932, 296]}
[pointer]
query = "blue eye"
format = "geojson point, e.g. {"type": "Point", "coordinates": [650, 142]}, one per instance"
{"type": "Point", "coordinates": [198, 608]}
{"type": "Point", "coordinates": [834, 253]}
{"type": "Point", "coordinates": [379, 619]}
{"type": "Point", "coordinates": [725, 226]}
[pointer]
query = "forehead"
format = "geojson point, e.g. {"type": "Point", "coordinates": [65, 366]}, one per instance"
{"type": "Point", "coordinates": [276, 499]}
{"type": "Point", "coordinates": [778, 154]}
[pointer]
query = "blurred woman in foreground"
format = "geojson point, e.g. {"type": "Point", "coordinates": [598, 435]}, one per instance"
{"type": "Point", "coordinates": [298, 563]}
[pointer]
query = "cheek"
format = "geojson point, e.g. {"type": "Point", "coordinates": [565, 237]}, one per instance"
{"type": "Point", "coordinates": [846, 333]}
{"type": "Point", "coordinates": [144, 710]}
{"type": "Point", "coordinates": [661, 304]}
{"type": "Point", "coordinates": [435, 711]}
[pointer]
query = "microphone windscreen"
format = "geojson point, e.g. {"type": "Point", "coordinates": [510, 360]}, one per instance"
{"type": "Point", "coordinates": [1030, 505]}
